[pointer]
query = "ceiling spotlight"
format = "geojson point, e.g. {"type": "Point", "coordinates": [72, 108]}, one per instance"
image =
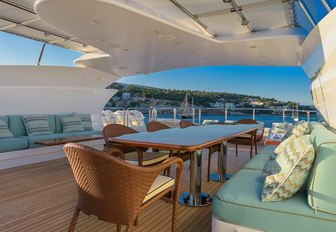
{"type": "Point", "coordinates": [227, 1]}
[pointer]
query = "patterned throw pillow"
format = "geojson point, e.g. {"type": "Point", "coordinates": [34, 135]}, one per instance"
{"type": "Point", "coordinates": [295, 162]}
{"type": "Point", "coordinates": [86, 121]}
{"type": "Point", "coordinates": [271, 167]}
{"type": "Point", "coordinates": [36, 124]}
{"type": "Point", "coordinates": [71, 124]}
{"type": "Point", "coordinates": [301, 129]}
{"type": "Point", "coordinates": [283, 144]}
{"type": "Point", "coordinates": [4, 131]}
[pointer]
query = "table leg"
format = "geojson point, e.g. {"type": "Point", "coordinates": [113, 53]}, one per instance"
{"type": "Point", "coordinates": [195, 197]}
{"type": "Point", "coordinates": [221, 175]}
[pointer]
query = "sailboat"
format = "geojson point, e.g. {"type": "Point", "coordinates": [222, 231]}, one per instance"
{"type": "Point", "coordinates": [185, 110]}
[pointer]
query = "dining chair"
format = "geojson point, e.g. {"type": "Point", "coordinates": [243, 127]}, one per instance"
{"type": "Point", "coordinates": [114, 191]}
{"type": "Point", "coordinates": [153, 126]}
{"type": "Point", "coordinates": [211, 150]}
{"type": "Point", "coordinates": [131, 155]}
{"type": "Point", "coordinates": [246, 139]}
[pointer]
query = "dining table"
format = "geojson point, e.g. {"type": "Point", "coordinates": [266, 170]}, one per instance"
{"type": "Point", "coordinates": [191, 139]}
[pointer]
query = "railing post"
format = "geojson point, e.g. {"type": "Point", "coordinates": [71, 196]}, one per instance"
{"type": "Point", "coordinates": [283, 115]}
{"type": "Point", "coordinates": [193, 115]}
{"type": "Point", "coordinates": [126, 117]}
{"type": "Point", "coordinates": [308, 116]}
{"type": "Point", "coordinates": [174, 112]}
{"type": "Point", "coordinates": [199, 115]}
{"type": "Point", "coordinates": [225, 115]}
{"type": "Point", "coordinates": [253, 114]}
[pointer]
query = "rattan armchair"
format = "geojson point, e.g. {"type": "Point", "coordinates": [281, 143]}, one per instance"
{"type": "Point", "coordinates": [211, 150]}
{"type": "Point", "coordinates": [130, 154]}
{"type": "Point", "coordinates": [115, 191]}
{"type": "Point", "coordinates": [246, 139]}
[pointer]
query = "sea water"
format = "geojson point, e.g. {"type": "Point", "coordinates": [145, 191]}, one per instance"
{"type": "Point", "coordinates": [267, 119]}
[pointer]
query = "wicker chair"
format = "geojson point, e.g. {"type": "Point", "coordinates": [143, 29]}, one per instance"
{"type": "Point", "coordinates": [131, 155]}
{"type": "Point", "coordinates": [115, 191]}
{"type": "Point", "coordinates": [246, 139]}
{"type": "Point", "coordinates": [212, 149]}
{"type": "Point", "coordinates": [156, 126]}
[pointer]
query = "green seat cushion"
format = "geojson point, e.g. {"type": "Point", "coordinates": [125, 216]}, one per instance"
{"type": "Point", "coordinates": [16, 125]}
{"type": "Point", "coordinates": [86, 133]}
{"type": "Point", "coordinates": [315, 125]}
{"type": "Point", "coordinates": [269, 149]}
{"type": "Point", "coordinates": [321, 185]}
{"type": "Point", "coordinates": [33, 139]}
{"type": "Point", "coordinates": [238, 202]}
{"type": "Point", "coordinates": [322, 135]}
{"type": "Point", "coordinates": [13, 144]}
{"type": "Point", "coordinates": [257, 162]}
{"type": "Point", "coordinates": [4, 131]}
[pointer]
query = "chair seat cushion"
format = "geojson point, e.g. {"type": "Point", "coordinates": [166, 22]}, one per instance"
{"type": "Point", "coordinates": [160, 184]}
{"type": "Point", "coordinates": [149, 158]}
{"type": "Point", "coordinates": [269, 149]}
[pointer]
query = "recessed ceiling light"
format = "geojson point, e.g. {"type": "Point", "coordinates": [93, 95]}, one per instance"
{"type": "Point", "coordinates": [160, 62]}
{"type": "Point", "coordinates": [253, 47]}
{"type": "Point", "coordinates": [125, 49]}
{"type": "Point", "coordinates": [100, 40]}
{"type": "Point", "coordinates": [114, 46]}
{"type": "Point", "coordinates": [192, 51]}
{"type": "Point", "coordinates": [167, 38]}
{"type": "Point", "coordinates": [93, 22]}
{"type": "Point", "coordinates": [204, 58]}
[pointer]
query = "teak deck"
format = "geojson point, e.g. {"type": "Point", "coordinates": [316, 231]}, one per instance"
{"type": "Point", "coordinates": [42, 197]}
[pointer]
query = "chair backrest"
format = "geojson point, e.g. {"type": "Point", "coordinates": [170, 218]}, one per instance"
{"type": "Point", "coordinates": [114, 130]}
{"type": "Point", "coordinates": [156, 126]}
{"type": "Point", "coordinates": [247, 121]}
{"type": "Point", "coordinates": [108, 187]}
{"type": "Point", "coordinates": [185, 124]}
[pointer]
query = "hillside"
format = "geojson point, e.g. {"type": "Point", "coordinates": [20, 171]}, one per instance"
{"type": "Point", "coordinates": [142, 96]}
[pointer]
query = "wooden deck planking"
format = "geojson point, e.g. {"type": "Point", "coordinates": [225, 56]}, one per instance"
{"type": "Point", "coordinates": [42, 197]}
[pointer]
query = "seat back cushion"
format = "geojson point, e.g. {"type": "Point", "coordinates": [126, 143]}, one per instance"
{"type": "Point", "coordinates": [58, 121]}
{"type": "Point", "coordinates": [321, 184]}
{"type": "Point", "coordinates": [36, 124]}
{"type": "Point", "coordinates": [295, 161]}
{"type": "Point", "coordinates": [71, 124]}
{"type": "Point", "coordinates": [17, 126]}
{"type": "Point", "coordinates": [5, 119]}
{"type": "Point", "coordinates": [5, 133]}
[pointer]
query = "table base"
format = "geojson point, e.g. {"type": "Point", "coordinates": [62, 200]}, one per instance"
{"type": "Point", "coordinates": [187, 199]}
{"type": "Point", "coordinates": [218, 178]}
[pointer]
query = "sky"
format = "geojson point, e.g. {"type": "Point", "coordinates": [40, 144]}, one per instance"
{"type": "Point", "coordinates": [282, 83]}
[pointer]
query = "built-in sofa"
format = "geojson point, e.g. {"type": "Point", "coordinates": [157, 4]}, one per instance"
{"type": "Point", "coordinates": [23, 141]}
{"type": "Point", "coordinates": [238, 206]}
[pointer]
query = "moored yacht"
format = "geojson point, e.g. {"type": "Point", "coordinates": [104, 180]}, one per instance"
{"type": "Point", "coordinates": [123, 38]}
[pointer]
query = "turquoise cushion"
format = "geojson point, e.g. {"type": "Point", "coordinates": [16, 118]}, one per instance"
{"type": "Point", "coordinates": [71, 124]}
{"type": "Point", "coordinates": [36, 124]}
{"type": "Point", "coordinates": [86, 121]}
{"type": "Point", "coordinates": [5, 119]}
{"type": "Point", "coordinates": [32, 139]}
{"type": "Point", "coordinates": [238, 202]}
{"type": "Point", "coordinates": [13, 144]}
{"type": "Point", "coordinates": [258, 161]}
{"type": "Point", "coordinates": [322, 135]}
{"type": "Point", "coordinates": [321, 185]}
{"type": "Point", "coordinates": [52, 122]}
{"type": "Point", "coordinates": [86, 133]}
{"type": "Point", "coordinates": [16, 125]}
{"type": "Point", "coordinates": [5, 133]}
{"type": "Point", "coordinates": [269, 149]}
{"type": "Point", "coordinates": [315, 125]}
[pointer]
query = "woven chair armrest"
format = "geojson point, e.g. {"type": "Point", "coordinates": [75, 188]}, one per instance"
{"type": "Point", "coordinates": [115, 151]}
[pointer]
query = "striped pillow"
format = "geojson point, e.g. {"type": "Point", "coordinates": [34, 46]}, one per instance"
{"type": "Point", "coordinates": [283, 144]}
{"type": "Point", "coordinates": [295, 162]}
{"type": "Point", "coordinates": [71, 124]}
{"type": "Point", "coordinates": [301, 129]}
{"type": "Point", "coordinates": [4, 131]}
{"type": "Point", "coordinates": [36, 124]}
{"type": "Point", "coordinates": [86, 121]}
